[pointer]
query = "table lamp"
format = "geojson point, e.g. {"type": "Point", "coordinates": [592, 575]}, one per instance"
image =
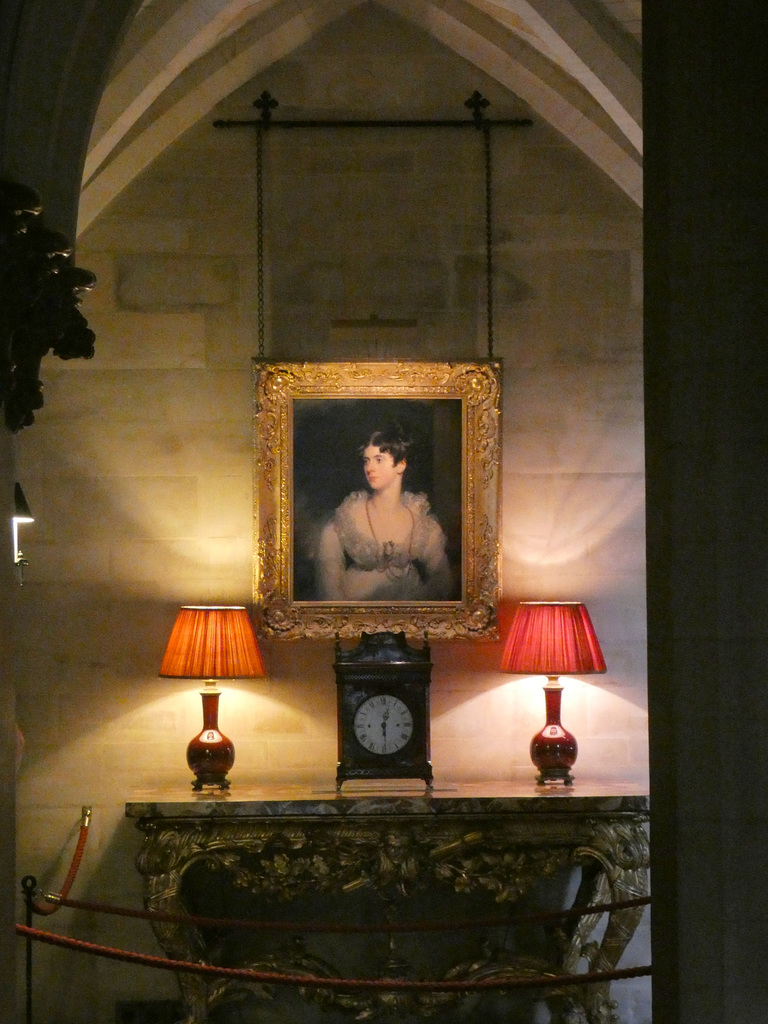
{"type": "Point", "coordinates": [552, 638]}
{"type": "Point", "coordinates": [212, 643]}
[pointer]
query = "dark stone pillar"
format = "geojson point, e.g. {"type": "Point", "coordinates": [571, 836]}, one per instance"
{"type": "Point", "coordinates": [9, 885]}
{"type": "Point", "coordinates": [706, 353]}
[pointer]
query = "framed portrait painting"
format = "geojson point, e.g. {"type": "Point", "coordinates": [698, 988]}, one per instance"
{"type": "Point", "coordinates": [376, 498]}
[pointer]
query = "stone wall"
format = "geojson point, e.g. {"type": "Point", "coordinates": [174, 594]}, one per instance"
{"type": "Point", "coordinates": [139, 467]}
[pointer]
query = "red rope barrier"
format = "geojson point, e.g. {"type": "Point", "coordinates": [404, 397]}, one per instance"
{"type": "Point", "coordinates": [273, 978]}
{"type": "Point", "coordinates": [55, 900]}
{"type": "Point", "coordinates": [313, 926]}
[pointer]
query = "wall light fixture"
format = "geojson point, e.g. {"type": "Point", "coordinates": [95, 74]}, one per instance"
{"type": "Point", "coordinates": [21, 514]}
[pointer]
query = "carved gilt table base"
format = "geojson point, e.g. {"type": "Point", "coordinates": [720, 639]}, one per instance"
{"type": "Point", "coordinates": [291, 848]}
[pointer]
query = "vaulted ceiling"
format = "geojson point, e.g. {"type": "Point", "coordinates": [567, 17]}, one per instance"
{"type": "Point", "coordinates": [574, 63]}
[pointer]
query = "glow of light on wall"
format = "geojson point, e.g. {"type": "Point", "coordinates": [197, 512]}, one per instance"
{"type": "Point", "coordinates": [587, 706]}
{"type": "Point", "coordinates": [520, 700]}
{"type": "Point", "coordinates": [559, 520]}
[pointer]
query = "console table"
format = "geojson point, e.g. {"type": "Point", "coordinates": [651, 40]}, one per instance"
{"type": "Point", "coordinates": [446, 855]}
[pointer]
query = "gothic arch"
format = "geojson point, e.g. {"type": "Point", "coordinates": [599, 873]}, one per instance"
{"type": "Point", "coordinates": [181, 57]}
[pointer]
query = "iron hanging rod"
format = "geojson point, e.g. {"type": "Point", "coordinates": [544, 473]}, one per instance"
{"type": "Point", "coordinates": [266, 103]}
{"type": "Point", "coordinates": [513, 122]}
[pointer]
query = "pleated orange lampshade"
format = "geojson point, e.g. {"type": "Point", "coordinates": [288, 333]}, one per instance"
{"type": "Point", "coordinates": [216, 642]}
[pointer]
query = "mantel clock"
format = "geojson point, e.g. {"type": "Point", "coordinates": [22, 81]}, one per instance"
{"type": "Point", "coordinates": [382, 688]}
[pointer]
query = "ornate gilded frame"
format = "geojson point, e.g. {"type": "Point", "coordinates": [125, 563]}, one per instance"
{"type": "Point", "coordinates": [475, 387]}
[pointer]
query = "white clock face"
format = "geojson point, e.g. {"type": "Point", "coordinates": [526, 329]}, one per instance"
{"type": "Point", "coordinates": [383, 724]}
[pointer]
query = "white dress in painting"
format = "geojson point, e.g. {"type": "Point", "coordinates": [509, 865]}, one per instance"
{"type": "Point", "coordinates": [352, 565]}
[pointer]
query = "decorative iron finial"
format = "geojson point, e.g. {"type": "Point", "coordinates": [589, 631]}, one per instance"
{"type": "Point", "coordinates": [266, 103]}
{"type": "Point", "coordinates": [477, 104]}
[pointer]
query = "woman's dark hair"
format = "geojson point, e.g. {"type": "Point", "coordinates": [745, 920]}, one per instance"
{"type": "Point", "coordinates": [391, 438]}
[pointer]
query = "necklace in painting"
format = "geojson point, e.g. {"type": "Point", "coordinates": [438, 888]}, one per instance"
{"type": "Point", "coordinates": [388, 560]}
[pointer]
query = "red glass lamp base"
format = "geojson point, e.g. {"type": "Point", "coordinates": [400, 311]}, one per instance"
{"type": "Point", "coordinates": [554, 749]}
{"type": "Point", "coordinates": [210, 755]}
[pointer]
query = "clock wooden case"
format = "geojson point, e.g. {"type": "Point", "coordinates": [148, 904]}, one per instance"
{"type": "Point", "coordinates": [382, 690]}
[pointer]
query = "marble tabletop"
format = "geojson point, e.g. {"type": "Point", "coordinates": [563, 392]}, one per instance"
{"type": "Point", "coordinates": [385, 798]}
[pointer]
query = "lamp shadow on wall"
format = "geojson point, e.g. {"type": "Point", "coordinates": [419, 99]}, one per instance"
{"type": "Point", "coordinates": [99, 721]}
{"type": "Point", "coordinates": [478, 707]}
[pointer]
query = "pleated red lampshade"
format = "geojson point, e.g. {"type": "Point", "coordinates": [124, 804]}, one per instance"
{"type": "Point", "coordinates": [212, 643]}
{"type": "Point", "coordinates": [552, 638]}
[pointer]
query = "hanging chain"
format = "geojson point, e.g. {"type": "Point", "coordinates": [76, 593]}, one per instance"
{"type": "Point", "coordinates": [476, 103]}
{"type": "Point", "coordinates": [260, 238]}
{"type": "Point", "coordinates": [488, 237]}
